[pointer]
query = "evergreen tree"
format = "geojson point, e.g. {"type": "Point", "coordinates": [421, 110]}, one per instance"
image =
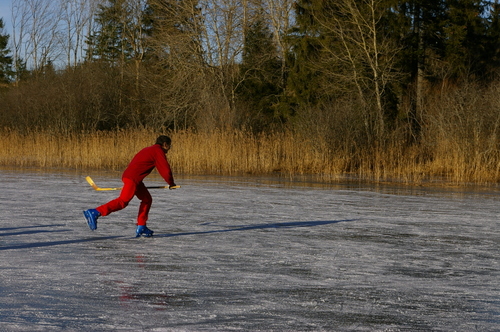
{"type": "Point", "coordinates": [419, 31]}
{"type": "Point", "coordinates": [5, 59]}
{"type": "Point", "coordinates": [120, 33]}
{"type": "Point", "coordinates": [441, 38]}
{"type": "Point", "coordinates": [261, 74]}
{"type": "Point", "coordinates": [465, 37]}
{"type": "Point", "coordinates": [21, 71]}
{"type": "Point", "coordinates": [302, 82]}
{"type": "Point", "coordinates": [492, 44]}
{"type": "Point", "coordinates": [420, 27]}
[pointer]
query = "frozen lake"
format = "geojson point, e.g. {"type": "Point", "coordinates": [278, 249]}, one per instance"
{"type": "Point", "coordinates": [245, 254]}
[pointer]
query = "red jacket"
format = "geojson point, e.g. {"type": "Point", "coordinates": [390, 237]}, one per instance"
{"type": "Point", "coordinates": [145, 161]}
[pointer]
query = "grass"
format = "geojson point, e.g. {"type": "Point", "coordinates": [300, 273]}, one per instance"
{"type": "Point", "coordinates": [234, 152]}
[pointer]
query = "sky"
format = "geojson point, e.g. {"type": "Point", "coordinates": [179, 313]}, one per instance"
{"type": "Point", "coordinates": [5, 12]}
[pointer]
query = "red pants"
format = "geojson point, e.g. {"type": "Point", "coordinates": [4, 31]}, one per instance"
{"type": "Point", "coordinates": [129, 190]}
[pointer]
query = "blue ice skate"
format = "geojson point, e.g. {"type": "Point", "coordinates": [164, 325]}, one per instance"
{"type": "Point", "coordinates": [92, 215]}
{"type": "Point", "coordinates": [144, 231]}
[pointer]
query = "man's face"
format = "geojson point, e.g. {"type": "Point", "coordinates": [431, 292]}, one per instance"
{"type": "Point", "coordinates": [165, 147]}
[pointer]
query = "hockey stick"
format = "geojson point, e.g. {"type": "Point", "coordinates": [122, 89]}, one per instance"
{"type": "Point", "coordinates": [92, 183]}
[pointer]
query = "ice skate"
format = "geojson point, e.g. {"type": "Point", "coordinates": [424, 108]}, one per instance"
{"type": "Point", "coordinates": [143, 231]}
{"type": "Point", "coordinates": [92, 215]}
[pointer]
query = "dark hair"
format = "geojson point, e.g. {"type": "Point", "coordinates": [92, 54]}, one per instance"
{"type": "Point", "coordinates": [163, 139]}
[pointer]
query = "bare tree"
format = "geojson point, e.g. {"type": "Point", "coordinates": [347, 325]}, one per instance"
{"type": "Point", "coordinates": [136, 35]}
{"type": "Point", "coordinates": [280, 15]}
{"type": "Point", "coordinates": [76, 16]}
{"type": "Point", "coordinates": [224, 30]}
{"type": "Point", "coordinates": [19, 19]}
{"type": "Point", "coordinates": [225, 27]}
{"type": "Point", "coordinates": [175, 65]}
{"type": "Point", "coordinates": [36, 29]}
{"type": "Point", "coordinates": [367, 56]}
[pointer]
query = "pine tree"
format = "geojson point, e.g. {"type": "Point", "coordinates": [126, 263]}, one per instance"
{"type": "Point", "coordinates": [120, 32]}
{"type": "Point", "coordinates": [108, 43]}
{"type": "Point", "coordinates": [5, 59]}
{"type": "Point", "coordinates": [465, 37]}
{"type": "Point", "coordinates": [302, 83]}
{"type": "Point", "coordinates": [492, 53]}
{"type": "Point", "coordinates": [261, 74]}
{"type": "Point", "coordinates": [418, 29]}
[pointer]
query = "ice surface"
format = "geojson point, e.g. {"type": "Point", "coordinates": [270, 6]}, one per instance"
{"type": "Point", "coordinates": [247, 254]}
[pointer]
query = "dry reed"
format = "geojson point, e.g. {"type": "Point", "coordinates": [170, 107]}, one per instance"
{"type": "Point", "coordinates": [234, 152]}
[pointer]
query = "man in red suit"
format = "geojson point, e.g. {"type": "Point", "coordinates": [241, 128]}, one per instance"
{"type": "Point", "coordinates": [141, 166]}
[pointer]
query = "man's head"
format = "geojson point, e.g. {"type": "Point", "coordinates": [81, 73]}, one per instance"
{"type": "Point", "coordinates": [165, 142]}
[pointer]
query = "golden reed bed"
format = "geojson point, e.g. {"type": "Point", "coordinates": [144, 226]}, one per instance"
{"type": "Point", "coordinates": [234, 152]}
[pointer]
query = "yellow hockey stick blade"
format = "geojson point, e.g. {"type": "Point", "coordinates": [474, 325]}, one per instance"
{"type": "Point", "coordinates": [92, 183]}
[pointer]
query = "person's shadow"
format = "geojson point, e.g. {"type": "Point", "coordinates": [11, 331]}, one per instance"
{"type": "Point", "coordinates": [26, 230]}
{"type": "Point", "coordinates": [41, 229]}
{"type": "Point", "coordinates": [293, 224]}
